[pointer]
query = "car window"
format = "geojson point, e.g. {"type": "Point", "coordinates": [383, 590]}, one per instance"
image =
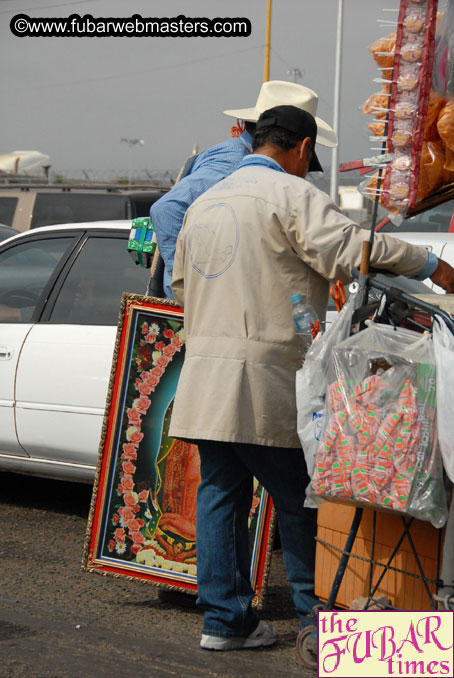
{"type": "Point", "coordinates": [67, 208]}
{"type": "Point", "coordinates": [25, 270]}
{"type": "Point", "coordinates": [91, 292]}
{"type": "Point", "coordinates": [7, 210]}
{"type": "Point", "coordinates": [435, 220]}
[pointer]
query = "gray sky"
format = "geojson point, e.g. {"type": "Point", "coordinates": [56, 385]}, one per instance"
{"type": "Point", "coordinates": [75, 98]}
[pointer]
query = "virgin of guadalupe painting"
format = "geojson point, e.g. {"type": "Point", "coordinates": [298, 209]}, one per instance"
{"type": "Point", "coordinates": [142, 521]}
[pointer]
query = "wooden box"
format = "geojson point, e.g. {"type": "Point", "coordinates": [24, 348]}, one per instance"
{"type": "Point", "coordinates": [406, 592]}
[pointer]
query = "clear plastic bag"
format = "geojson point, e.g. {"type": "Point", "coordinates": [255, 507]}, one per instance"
{"type": "Point", "coordinates": [443, 72]}
{"type": "Point", "coordinates": [380, 444]}
{"type": "Point", "coordinates": [312, 381]}
{"type": "Point", "coordinates": [444, 358]}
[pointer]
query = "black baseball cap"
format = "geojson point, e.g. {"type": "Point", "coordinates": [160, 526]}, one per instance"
{"type": "Point", "coordinates": [295, 120]}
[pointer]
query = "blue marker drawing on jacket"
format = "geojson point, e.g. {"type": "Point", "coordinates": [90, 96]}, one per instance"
{"type": "Point", "coordinates": [212, 254]}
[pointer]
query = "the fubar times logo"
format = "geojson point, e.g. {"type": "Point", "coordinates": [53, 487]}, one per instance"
{"type": "Point", "coordinates": [378, 644]}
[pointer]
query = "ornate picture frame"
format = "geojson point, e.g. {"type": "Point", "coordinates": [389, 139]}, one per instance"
{"type": "Point", "coordinates": [143, 510]}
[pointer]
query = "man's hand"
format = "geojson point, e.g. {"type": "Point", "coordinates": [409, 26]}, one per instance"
{"type": "Point", "coordinates": [444, 276]}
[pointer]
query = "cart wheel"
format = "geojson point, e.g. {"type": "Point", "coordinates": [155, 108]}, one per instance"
{"type": "Point", "coordinates": [306, 647]}
{"type": "Point", "coordinates": [318, 608]}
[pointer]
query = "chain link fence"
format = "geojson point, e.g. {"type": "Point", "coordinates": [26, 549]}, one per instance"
{"type": "Point", "coordinates": [122, 177]}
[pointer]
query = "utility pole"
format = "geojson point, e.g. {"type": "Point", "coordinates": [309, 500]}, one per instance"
{"type": "Point", "coordinates": [337, 89]}
{"type": "Point", "coordinates": [266, 75]}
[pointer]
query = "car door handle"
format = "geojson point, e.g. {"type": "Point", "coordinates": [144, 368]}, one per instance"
{"type": "Point", "coordinates": [6, 353]}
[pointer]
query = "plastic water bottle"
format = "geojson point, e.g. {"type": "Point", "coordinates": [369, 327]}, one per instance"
{"type": "Point", "coordinates": [303, 315]}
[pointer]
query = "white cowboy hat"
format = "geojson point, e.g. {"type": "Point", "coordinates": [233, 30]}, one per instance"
{"type": "Point", "coordinates": [279, 93]}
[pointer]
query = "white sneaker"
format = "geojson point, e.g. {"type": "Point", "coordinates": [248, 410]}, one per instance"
{"type": "Point", "coordinates": [263, 636]}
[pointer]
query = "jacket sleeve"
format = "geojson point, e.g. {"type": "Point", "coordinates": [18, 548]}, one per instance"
{"type": "Point", "coordinates": [331, 243]}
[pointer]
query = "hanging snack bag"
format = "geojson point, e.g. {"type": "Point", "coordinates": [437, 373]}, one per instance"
{"type": "Point", "coordinates": [406, 122]}
{"type": "Point", "coordinates": [409, 100]}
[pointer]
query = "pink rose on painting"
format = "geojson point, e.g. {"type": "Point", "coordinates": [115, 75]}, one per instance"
{"type": "Point", "coordinates": [144, 389]}
{"type": "Point", "coordinates": [145, 328]}
{"type": "Point", "coordinates": [126, 514]}
{"type": "Point", "coordinates": [157, 371]}
{"type": "Point", "coordinates": [163, 361]}
{"type": "Point", "coordinates": [176, 341]}
{"type": "Point", "coordinates": [143, 496]}
{"type": "Point", "coordinates": [169, 350]}
{"type": "Point", "coordinates": [142, 404]}
{"type": "Point", "coordinates": [127, 483]}
{"type": "Point", "coordinates": [128, 467]}
{"type": "Point", "coordinates": [120, 534]}
{"type": "Point", "coordinates": [136, 524]}
{"type": "Point", "coordinates": [168, 334]}
{"type": "Point", "coordinates": [133, 416]}
{"type": "Point", "coordinates": [111, 545]}
{"type": "Point", "coordinates": [134, 435]}
{"type": "Point", "coordinates": [137, 537]}
{"type": "Point", "coordinates": [129, 451]}
{"type": "Point", "coordinates": [135, 548]}
{"type": "Point", "coordinates": [152, 381]}
{"type": "Point", "coordinates": [159, 346]}
{"type": "Point", "coordinates": [150, 338]}
{"type": "Point", "coordinates": [129, 500]}
{"type": "Point", "coordinates": [115, 519]}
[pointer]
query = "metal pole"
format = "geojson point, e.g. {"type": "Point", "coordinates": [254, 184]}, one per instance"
{"type": "Point", "coordinates": [266, 75]}
{"type": "Point", "coordinates": [337, 87]}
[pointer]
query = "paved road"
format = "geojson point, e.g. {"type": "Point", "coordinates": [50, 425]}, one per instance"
{"type": "Point", "coordinates": [57, 621]}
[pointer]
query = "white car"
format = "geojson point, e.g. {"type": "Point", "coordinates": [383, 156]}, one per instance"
{"type": "Point", "coordinates": [60, 292]}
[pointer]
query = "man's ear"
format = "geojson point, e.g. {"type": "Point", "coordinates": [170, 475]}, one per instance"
{"type": "Point", "coordinates": [304, 148]}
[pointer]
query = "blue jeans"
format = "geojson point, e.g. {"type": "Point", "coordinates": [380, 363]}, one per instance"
{"type": "Point", "coordinates": [223, 504]}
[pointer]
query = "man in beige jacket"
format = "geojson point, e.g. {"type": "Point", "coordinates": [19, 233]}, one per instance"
{"type": "Point", "coordinates": [247, 244]}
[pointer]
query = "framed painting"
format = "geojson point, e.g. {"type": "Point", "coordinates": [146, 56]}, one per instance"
{"type": "Point", "coordinates": [143, 510]}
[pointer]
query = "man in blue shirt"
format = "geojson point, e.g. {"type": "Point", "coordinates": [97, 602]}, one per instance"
{"type": "Point", "coordinates": [219, 161]}
{"type": "Point", "coordinates": [168, 212]}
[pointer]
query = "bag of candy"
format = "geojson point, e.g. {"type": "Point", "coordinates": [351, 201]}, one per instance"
{"type": "Point", "coordinates": [380, 444]}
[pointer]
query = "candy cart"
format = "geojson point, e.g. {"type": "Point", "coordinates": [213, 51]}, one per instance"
{"type": "Point", "coordinates": [379, 445]}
